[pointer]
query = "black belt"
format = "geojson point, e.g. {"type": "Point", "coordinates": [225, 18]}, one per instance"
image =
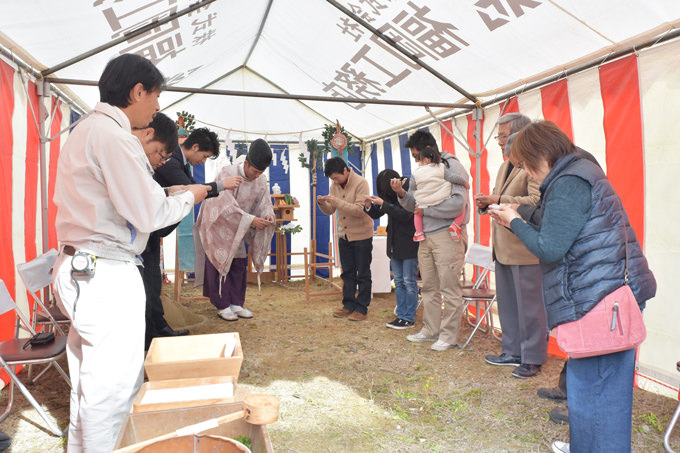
{"type": "Point", "coordinates": [69, 250]}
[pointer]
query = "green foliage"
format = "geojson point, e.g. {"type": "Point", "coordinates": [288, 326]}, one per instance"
{"type": "Point", "coordinates": [189, 121]}
{"type": "Point", "coordinates": [329, 131]}
{"type": "Point", "coordinates": [400, 413]}
{"type": "Point", "coordinates": [473, 393]}
{"type": "Point", "coordinates": [245, 440]}
{"type": "Point", "coordinates": [406, 394]}
{"type": "Point", "coordinates": [458, 406]}
{"type": "Point", "coordinates": [318, 151]}
{"type": "Point", "coordinates": [289, 228]}
{"type": "Point", "coordinates": [652, 420]}
{"type": "Point", "coordinates": [314, 150]}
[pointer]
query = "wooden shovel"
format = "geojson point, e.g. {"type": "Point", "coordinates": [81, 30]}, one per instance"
{"type": "Point", "coordinates": [259, 410]}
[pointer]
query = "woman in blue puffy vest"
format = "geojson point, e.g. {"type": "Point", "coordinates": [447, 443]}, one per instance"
{"type": "Point", "coordinates": [581, 243]}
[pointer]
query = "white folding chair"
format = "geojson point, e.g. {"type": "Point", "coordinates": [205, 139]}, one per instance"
{"type": "Point", "coordinates": [671, 425]}
{"type": "Point", "coordinates": [36, 276]}
{"type": "Point", "coordinates": [14, 354]}
{"type": "Point", "coordinates": [480, 294]}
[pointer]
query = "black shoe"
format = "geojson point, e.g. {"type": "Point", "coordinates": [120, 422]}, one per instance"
{"type": "Point", "coordinates": [5, 441]}
{"type": "Point", "coordinates": [503, 359]}
{"type": "Point", "coordinates": [553, 394]}
{"type": "Point", "coordinates": [168, 331]}
{"type": "Point", "coordinates": [526, 370]}
{"type": "Point", "coordinates": [400, 324]}
{"type": "Point", "coordinates": [559, 415]}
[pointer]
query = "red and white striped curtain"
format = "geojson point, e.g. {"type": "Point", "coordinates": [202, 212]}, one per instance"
{"type": "Point", "coordinates": [20, 199]}
{"type": "Point", "coordinates": [623, 112]}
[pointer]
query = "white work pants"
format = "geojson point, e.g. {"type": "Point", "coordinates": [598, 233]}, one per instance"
{"type": "Point", "coordinates": [105, 349]}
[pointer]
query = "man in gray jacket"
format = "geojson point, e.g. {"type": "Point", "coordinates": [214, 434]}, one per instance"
{"type": "Point", "coordinates": [440, 255]}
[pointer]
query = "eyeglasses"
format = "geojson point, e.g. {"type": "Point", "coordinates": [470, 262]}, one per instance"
{"type": "Point", "coordinates": [501, 137]}
{"type": "Point", "coordinates": [165, 157]}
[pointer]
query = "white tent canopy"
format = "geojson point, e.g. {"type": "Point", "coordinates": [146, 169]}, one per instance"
{"type": "Point", "coordinates": [605, 71]}
{"type": "Point", "coordinates": [310, 47]}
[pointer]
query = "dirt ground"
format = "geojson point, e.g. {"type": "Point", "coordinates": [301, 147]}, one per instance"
{"type": "Point", "coordinates": [360, 387]}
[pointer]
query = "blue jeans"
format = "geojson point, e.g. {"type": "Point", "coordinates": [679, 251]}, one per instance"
{"type": "Point", "coordinates": [600, 400]}
{"type": "Point", "coordinates": [405, 287]}
{"type": "Point", "coordinates": [355, 259]}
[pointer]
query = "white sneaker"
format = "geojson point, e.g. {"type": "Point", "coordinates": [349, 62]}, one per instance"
{"type": "Point", "coordinates": [241, 312]}
{"type": "Point", "coordinates": [440, 345]}
{"type": "Point", "coordinates": [419, 338]}
{"type": "Point", "coordinates": [560, 447]}
{"type": "Point", "coordinates": [227, 315]}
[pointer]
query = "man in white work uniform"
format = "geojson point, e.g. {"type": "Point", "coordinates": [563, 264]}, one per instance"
{"type": "Point", "coordinates": [107, 205]}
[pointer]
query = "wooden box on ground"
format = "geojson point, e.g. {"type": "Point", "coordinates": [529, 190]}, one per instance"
{"type": "Point", "coordinates": [193, 356]}
{"type": "Point", "coordinates": [146, 425]}
{"type": "Point", "coordinates": [181, 393]}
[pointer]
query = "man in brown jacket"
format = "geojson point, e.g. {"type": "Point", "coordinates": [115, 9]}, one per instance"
{"type": "Point", "coordinates": [355, 236]}
{"type": "Point", "coordinates": [518, 274]}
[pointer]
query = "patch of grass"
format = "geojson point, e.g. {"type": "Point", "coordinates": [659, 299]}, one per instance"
{"type": "Point", "coordinates": [473, 393]}
{"type": "Point", "coordinates": [652, 420]}
{"type": "Point", "coordinates": [458, 405]}
{"type": "Point", "coordinates": [399, 413]}
{"type": "Point", "coordinates": [406, 439]}
{"type": "Point", "coordinates": [497, 414]}
{"type": "Point", "coordinates": [245, 440]}
{"type": "Point", "coordinates": [529, 437]}
{"type": "Point", "coordinates": [407, 395]}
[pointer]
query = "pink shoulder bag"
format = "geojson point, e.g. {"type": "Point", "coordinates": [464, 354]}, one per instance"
{"type": "Point", "coordinates": [614, 324]}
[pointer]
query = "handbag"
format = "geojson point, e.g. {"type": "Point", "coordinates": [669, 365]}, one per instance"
{"type": "Point", "coordinates": [39, 339]}
{"type": "Point", "coordinates": [614, 324]}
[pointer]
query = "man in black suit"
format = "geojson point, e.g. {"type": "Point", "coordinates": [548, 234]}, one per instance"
{"type": "Point", "coordinates": [196, 149]}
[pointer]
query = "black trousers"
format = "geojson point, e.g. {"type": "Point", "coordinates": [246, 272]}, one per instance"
{"type": "Point", "coordinates": [153, 280]}
{"type": "Point", "coordinates": [562, 382]}
{"type": "Point", "coordinates": [355, 259]}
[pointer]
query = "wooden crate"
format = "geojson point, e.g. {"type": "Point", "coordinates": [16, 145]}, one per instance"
{"type": "Point", "coordinates": [193, 356]}
{"type": "Point", "coordinates": [146, 425]}
{"type": "Point", "coordinates": [201, 385]}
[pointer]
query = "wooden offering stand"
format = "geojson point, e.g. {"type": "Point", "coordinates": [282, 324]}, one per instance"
{"type": "Point", "coordinates": [284, 213]}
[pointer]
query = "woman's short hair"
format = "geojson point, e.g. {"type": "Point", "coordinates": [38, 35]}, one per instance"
{"type": "Point", "coordinates": [382, 184]}
{"type": "Point", "coordinates": [540, 140]}
{"type": "Point", "coordinates": [122, 74]}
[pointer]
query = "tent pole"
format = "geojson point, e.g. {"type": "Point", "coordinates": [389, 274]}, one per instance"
{"type": "Point", "coordinates": [45, 95]}
{"type": "Point", "coordinates": [477, 115]}
{"type": "Point", "coordinates": [295, 97]}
